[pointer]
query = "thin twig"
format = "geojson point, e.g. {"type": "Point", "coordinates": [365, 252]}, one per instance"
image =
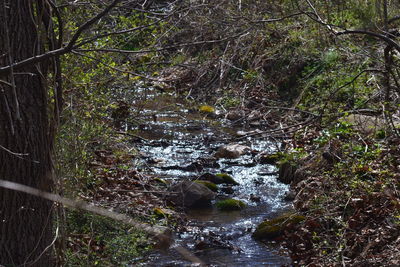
{"type": "Point", "coordinates": [59, 51]}
{"type": "Point", "coordinates": [301, 124]}
{"type": "Point", "coordinates": [11, 74]}
{"type": "Point", "coordinates": [180, 45]}
{"type": "Point", "coordinates": [18, 155]}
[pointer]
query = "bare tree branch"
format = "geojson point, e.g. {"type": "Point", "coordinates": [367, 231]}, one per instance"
{"type": "Point", "coordinates": [384, 38]}
{"type": "Point", "coordinates": [63, 50]}
{"type": "Point", "coordinates": [113, 50]}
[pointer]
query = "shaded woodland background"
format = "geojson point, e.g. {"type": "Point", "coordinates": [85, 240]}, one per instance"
{"type": "Point", "coordinates": [313, 68]}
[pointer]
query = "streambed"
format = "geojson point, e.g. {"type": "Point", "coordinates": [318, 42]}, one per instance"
{"type": "Point", "coordinates": [180, 143]}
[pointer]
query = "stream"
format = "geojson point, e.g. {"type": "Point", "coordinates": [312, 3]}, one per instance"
{"type": "Point", "coordinates": [179, 145]}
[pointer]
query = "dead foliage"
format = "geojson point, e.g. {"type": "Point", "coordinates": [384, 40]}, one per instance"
{"type": "Point", "coordinates": [352, 206]}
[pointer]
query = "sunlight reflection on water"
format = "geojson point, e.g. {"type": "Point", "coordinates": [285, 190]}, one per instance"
{"type": "Point", "coordinates": [190, 138]}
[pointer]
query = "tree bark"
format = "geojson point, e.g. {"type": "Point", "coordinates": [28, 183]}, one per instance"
{"type": "Point", "coordinates": [26, 232]}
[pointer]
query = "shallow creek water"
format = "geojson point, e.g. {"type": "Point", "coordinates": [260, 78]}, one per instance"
{"type": "Point", "coordinates": [178, 138]}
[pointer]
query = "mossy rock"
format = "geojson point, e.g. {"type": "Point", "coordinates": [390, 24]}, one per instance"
{"type": "Point", "coordinates": [206, 109]}
{"type": "Point", "coordinates": [159, 213]}
{"type": "Point", "coordinates": [230, 204]}
{"type": "Point", "coordinates": [163, 213]}
{"type": "Point", "coordinates": [208, 184]}
{"type": "Point", "coordinates": [270, 229]}
{"type": "Point", "coordinates": [271, 158]}
{"type": "Point", "coordinates": [211, 178]}
{"type": "Point", "coordinates": [227, 178]}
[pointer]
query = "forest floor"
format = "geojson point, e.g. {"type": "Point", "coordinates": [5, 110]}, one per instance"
{"type": "Point", "coordinates": [346, 184]}
{"type": "Point", "coordinates": [345, 181]}
{"type": "Point", "coordinates": [348, 188]}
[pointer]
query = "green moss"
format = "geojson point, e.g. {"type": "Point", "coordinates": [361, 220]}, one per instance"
{"type": "Point", "coordinates": [270, 229]}
{"type": "Point", "coordinates": [206, 109]}
{"type": "Point", "coordinates": [159, 213]}
{"type": "Point", "coordinates": [272, 158]}
{"type": "Point", "coordinates": [227, 178]}
{"type": "Point", "coordinates": [208, 184]}
{"type": "Point", "coordinates": [230, 204]}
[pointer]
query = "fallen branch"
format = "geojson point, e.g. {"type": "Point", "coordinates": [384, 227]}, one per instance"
{"type": "Point", "coordinates": [163, 237]}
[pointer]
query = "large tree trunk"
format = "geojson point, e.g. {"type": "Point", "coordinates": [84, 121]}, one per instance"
{"type": "Point", "coordinates": [26, 230]}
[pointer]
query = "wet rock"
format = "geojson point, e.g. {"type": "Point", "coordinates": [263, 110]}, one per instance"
{"type": "Point", "coordinates": [227, 178]}
{"type": "Point", "coordinates": [162, 143]}
{"type": "Point", "coordinates": [192, 167]}
{"type": "Point", "coordinates": [212, 178]}
{"type": "Point", "coordinates": [227, 190]}
{"type": "Point", "coordinates": [232, 151]}
{"type": "Point", "coordinates": [287, 172]}
{"type": "Point", "coordinates": [213, 187]}
{"type": "Point", "coordinates": [214, 241]}
{"type": "Point", "coordinates": [269, 158]}
{"type": "Point", "coordinates": [270, 229]}
{"type": "Point", "coordinates": [155, 160]}
{"type": "Point", "coordinates": [201, 245]}
{"type": "Point", "coordinates": [255, 198]}
{"type": "Point", "coordinates": [230, 204]}
{"type": "Point", "coordinates": [190, 194]}
{"type": "Point", "coordinates": [249, 133]}
{"type": "Point", "coordinates": [290, 195]}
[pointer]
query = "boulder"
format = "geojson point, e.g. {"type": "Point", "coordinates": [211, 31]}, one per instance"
{"type": "Point", "coordinates": [213, 187]}
{"type": "Point", "coordinates": [211, 178]}
{"type": "Point", "coordinates": [287, 172]}
{"type": "Point", "coordinates": [290, 195]}
{"type": "Point", "coordinates": [227, 189]}
{"type": "Point", "coordinates": [232, 151]}
{"type": "Point", "coordinates": [227, 179]}
{"type": "Point", "coordinates": [270, 229]}
{"type": "Point", "coordinates": [230, 204]}
{"type": "Point", "coordinates": [272, 159]}
{"type": "Point", "coordinates": [189, 194]}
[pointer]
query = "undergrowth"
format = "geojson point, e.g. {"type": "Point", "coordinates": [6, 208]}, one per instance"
{"type": "Point", "coordinates": [243, 59]}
